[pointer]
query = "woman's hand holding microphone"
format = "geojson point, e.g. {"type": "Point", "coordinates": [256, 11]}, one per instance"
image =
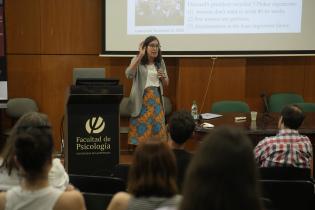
{"type": "Point", "coordinates": [161, 74]}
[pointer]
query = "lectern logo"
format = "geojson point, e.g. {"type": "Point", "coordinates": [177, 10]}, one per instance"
{"type": "Point", "coordinates": [95, 125]}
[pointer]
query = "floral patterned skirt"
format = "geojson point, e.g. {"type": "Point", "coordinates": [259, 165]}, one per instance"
{"type": "Point", "coordinates": [151, 120]}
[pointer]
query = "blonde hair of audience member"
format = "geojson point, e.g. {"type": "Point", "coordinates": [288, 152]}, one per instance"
{"type": "Point", "coordinates": [33, 147]}
{"type": "Point", "coordinates": [58, 177]}
{"type": "Point", "coordinates": [222, 174]}
{"type": "Point", "coordinates": [152, 173]}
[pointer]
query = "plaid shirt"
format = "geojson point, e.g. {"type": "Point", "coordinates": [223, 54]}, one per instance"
{"type": "Point", "coordinates": [287, 148]}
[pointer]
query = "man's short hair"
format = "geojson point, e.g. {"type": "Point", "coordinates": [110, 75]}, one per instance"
{"type": "Point", "coordinates": [292, 116]}
{"type": "Point", "coordinates": [181, 126]}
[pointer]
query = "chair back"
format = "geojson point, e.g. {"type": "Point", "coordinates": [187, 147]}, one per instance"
{"type": "Point", "coordinates": [16, 107]}
{"type": "Point", "coordinates": [289, 194]}
{"type": "Point", "coordinates": [229, 106]}
{"type": "Point", "coordinates": [123, 107]}
{"type": "Point", "coordinates": [87, 73]}
{"type": "Point", "coordinates": [97, 184]}
{"type": "Point", "coordinates": [121, 171]}
{"type": "Point", "coordinates": [124, 112]}
{"type": "Point", "coordinates": [167, 106]}
{"type": "Point", "coordinates": [267, 204]}
{"type": "Point", "coordinates": [97, 201]}
{"type": "Point", "coordinates": [306, 107]}
{"type": "Point", "coordinates": [285, 173]}
{"type": "Point", "coordinates": [278, 100]}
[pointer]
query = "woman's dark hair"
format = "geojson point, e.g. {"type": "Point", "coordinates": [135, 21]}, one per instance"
{"type": "Point", "coordinates": [145, 59]}
{"type": "Point", "coordinates": [33, 149]}
{"type": "Point", "coordinates": [222, 174]}
{"type": "Point", "coordinates": [31, 127]}
{"type": "Point", "coordinates": [153, 172]}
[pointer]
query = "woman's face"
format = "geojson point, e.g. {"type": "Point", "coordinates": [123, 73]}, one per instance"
{"type": "Point", "coordinates": [153, 49]}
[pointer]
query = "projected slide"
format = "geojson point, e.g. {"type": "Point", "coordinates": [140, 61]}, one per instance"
{"type": "Point", "coordinates": [213, 16]}
{"type": "Point", "coordinates": [211, 27]}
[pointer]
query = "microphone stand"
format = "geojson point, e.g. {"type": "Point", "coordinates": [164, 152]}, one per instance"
{"type": "Point", "coordinates": [266, 113]}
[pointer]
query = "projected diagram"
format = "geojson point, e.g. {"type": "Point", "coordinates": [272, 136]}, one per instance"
{"type": "Point", "coordinates": [213, 17]}
{"type": "Point", "coordinates": [159, 12]}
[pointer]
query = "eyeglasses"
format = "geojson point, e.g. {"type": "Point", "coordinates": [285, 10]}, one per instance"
{"type": "Point", "coordinates": [154, 45]}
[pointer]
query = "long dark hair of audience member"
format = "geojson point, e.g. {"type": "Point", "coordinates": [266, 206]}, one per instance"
{"type": "Point", "coordinates": [152, 179]}
{"type": "Point", "coordinates": [31, 153]}
{"type": "Point", "coordinates": [222, 174]}
{"type": "Point", "coordinates": [153, 172]}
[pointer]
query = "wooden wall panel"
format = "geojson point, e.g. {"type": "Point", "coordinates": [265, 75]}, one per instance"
{"type": "Point", "coordinates": [22, 21]}
{"type": "Point", "coordinates": [269, 75]}
{"type": "Point", "coordinates": [227, 81]}
{"type": "Point", "coordinates": [24, 77]}
{"type": "Point", "coordinates": [172, 71]}
{"type": "Point", "coordinates": [71, 26]}
{"type": "Point", "coordinates": [309, 84]}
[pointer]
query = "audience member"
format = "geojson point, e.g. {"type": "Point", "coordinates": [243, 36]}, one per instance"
{"type": "Point", "coordinates": [9, 175]}
{"type": "Point", "coordinates": [222, 174]}
{"type": "Point", "coordinates": [33, 147]}
{"type": "Point", "coordinates": [152, 179]}
{"type": "Point", "coordinates": [288, 148]}
{"type": "Point", "coordinates": [181, 127]}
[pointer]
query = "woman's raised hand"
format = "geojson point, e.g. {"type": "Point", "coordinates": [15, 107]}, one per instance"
{"type": "Point", "coordinates": [141, 49]}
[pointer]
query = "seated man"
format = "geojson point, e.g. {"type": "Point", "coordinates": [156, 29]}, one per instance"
{"type": "Point", "coordinates": [288, 148]}
{"type": "Point", "coordinates": [181, 127]}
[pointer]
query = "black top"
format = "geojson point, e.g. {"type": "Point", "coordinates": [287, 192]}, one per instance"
{"type": "Point", "coordinates": [182, 160]}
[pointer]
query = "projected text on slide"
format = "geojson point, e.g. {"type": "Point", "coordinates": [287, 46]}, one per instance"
{"type": "Point", "coordinates": [213, 16]}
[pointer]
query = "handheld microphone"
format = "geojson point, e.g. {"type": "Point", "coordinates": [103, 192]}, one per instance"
{"type": "Point", "coordinates": [158, 65]}
{"type": "Point", "coordinates": [267, 109]}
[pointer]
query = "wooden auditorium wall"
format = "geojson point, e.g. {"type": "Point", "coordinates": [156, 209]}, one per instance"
{"type": "Point", "coordinates": [46, 39]}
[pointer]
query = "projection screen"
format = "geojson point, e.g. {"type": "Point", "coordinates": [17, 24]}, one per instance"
{"type": "Point", "coordinates": [210, 27]}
